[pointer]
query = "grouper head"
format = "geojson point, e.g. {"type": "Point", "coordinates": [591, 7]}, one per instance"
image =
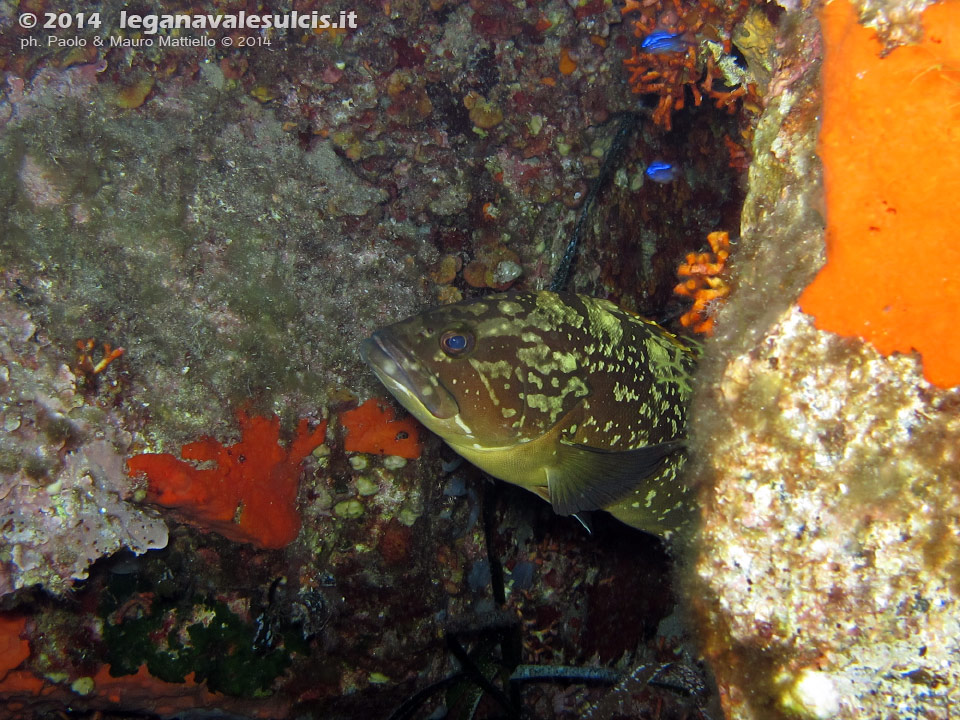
{"type": "Point", "coordinates": [455, 369]}
{"type": "Point", "coordinates": [565, 395]}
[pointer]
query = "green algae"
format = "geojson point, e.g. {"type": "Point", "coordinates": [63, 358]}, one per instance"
{"type": "Point", "coordinates": [241, 669]}
{"type": "Point", "coordinates": [174, 638]}
{"type": "Point", "coordinates": [348, 509]}
{"type": "Point", "coordinates": [188, 232]}
{"type": "Point", "coordinates": [367, 486]}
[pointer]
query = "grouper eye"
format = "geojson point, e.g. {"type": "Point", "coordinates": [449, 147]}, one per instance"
{"type": "Point", "coordinates": [456, 343]}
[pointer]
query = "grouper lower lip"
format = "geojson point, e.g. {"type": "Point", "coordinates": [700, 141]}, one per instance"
{"type": "Point", "coordinates": [409, 381]}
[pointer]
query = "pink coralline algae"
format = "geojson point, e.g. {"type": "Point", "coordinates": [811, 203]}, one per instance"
{"type": "Point", "coordinates": [64, 497]}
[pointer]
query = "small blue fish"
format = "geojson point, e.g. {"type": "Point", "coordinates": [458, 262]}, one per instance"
{"type": "Point", "coordinates": [662, 172]}
{"type": "Point", "coordinates": [661, 42]}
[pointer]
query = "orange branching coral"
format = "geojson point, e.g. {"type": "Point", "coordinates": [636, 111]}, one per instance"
{"type": "Point", "coordinates": [250, 495]}
{"type": "Point", "coordinates": [85, 366]}
{"type": "Point", "coordinates": [739, 157]}
{"type": "Point", "coordinates": [705, 282]}
{"type": "Point", "coordinates": [666, 76]}
{"type": "Point", "coordinates": [670, 73]}
{"type": "Point", "coordinates": [373, 428]}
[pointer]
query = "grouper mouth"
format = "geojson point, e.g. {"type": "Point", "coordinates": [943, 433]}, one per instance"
{"type": "Point", "coordinates": [415, 386]}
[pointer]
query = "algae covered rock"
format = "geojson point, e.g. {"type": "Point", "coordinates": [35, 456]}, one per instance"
{"type": "Point", "coordinates": [825, 574]}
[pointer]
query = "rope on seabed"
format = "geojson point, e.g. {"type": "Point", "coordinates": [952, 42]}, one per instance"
{"type": "Point", "coordinates": [625, 129]}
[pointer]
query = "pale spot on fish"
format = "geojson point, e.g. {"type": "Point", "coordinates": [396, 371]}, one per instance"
{"type": "Point", "coordinates": [566, 361]}
{"type": "Point", "coordinates": [463, 426]}
{"type": "Point", "coordinates": [509, 308]}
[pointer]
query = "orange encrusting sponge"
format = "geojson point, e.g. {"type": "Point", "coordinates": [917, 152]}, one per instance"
{"type": "Point", "coordinates": [373, 428]}
{"type": "Point", "coordinates": [14, 649]}
{"type": "Point", "coordinates": [249, 494]}
{"type": "Point", "coordinates": [890, 145]}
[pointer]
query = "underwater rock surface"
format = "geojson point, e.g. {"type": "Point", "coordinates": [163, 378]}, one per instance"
{"type": "Point", "coordinates": [236, 220]}
{"type": "Point", "coordinates": [65, 500]}
{"type": "Point", "coordinates": [825, 574]}
{"type": "Point", "coordinates": [828, 574]}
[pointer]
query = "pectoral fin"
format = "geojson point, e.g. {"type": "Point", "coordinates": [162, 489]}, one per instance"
{"type": "Point", "coordinates": [587, 478]}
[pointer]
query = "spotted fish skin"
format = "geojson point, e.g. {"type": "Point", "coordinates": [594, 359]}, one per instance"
{"type": "Point", "coordinates": [566, 395]}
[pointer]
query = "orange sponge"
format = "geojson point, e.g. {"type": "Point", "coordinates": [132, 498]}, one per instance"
{"type": "Point", "coordinates": [890, 144]}
{"type": "Point", "coordinates": [373, 428]}
{"type": "Point", "coordinates": [13, 648]}
{"type": "Point", "coordinates": [247, 491]}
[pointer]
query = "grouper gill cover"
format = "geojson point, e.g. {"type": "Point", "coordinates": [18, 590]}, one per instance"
{"type": "Point", "coordinates": [565, 395]}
